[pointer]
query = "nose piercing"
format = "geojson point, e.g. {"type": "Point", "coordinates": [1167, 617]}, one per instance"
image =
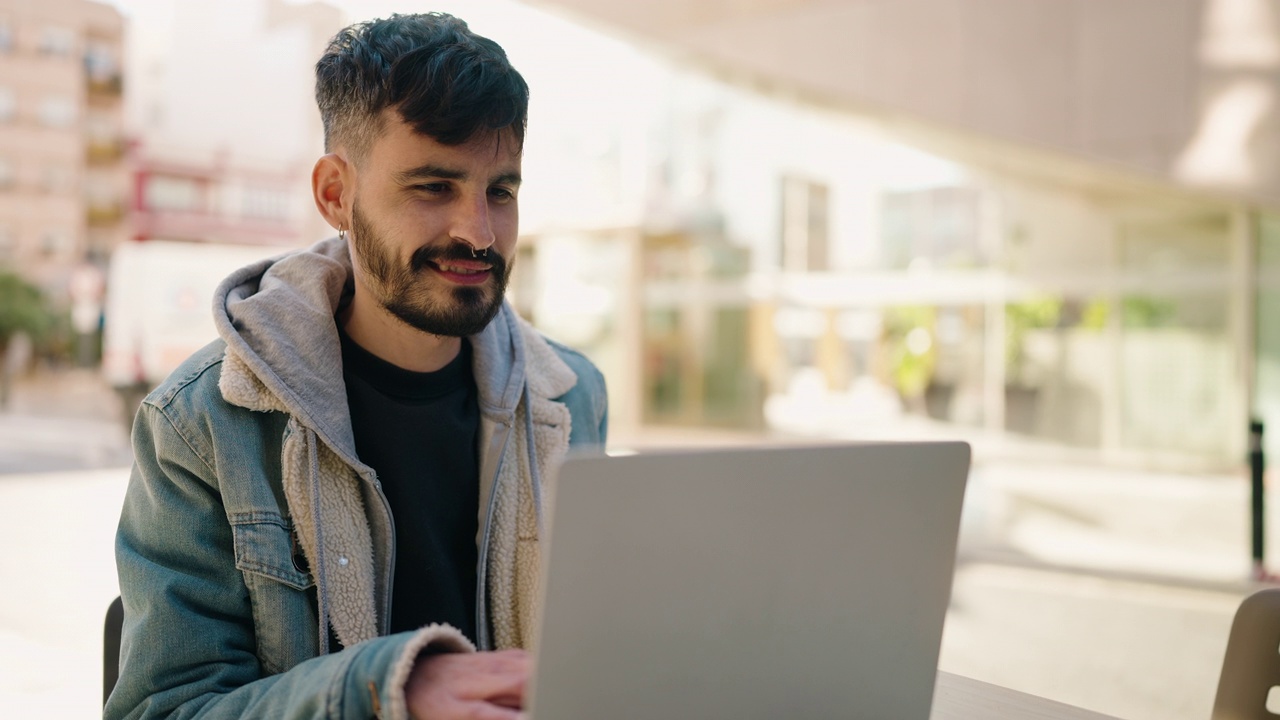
{"type": "Point", "coordinates": [484, 252]}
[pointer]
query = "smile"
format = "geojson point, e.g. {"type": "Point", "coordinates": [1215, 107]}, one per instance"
{"type": "Point", "coordinates": [462, 272]}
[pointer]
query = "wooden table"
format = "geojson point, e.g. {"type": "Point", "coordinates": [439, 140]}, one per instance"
{"type": "Point", "coordinates": [961, 698]}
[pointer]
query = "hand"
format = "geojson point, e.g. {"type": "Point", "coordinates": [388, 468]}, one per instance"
{"type": "Point", "coordinates": [468, 686]}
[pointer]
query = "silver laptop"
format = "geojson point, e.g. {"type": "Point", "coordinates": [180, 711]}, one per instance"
{"type": "Point", "coordinates": [766, 583]}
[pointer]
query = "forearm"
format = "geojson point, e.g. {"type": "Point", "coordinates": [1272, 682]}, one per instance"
{"type": "Point", "coordinates": [360, 682]}
{"type": "Point", "coordinates": [218, 622]}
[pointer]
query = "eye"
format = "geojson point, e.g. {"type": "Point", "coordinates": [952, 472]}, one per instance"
{"type": "Point", "coordinates": [501, 194]}
{"type": "Point", "coordinates": [434, 188]}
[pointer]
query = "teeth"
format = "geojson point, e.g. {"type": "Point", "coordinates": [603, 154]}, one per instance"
{"type": "Point", "coordinates": [460, 271]}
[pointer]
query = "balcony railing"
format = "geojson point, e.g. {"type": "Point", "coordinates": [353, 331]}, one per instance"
{"type": "Point", "coordinates": [103, 152]}
{"type": "Point", "coordinates": [104, 215]}
{"type": "Point", "coordinates": [109, 86]}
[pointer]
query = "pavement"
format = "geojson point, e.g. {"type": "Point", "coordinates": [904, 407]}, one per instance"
{"type": "Point", "coordinates": [62, 419]}
{"type": "Point", "coordinates": [1104, 587]}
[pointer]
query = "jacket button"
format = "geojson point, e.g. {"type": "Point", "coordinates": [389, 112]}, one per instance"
{"type": "Point", "coordinates": [343, 561]}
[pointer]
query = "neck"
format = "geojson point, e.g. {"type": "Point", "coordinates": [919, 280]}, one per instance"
{"type": "Point", "coordinates": [375, 329]}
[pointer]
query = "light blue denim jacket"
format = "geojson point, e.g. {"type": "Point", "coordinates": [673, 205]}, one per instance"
{"type": "Point", "coordinates": [250, 528]}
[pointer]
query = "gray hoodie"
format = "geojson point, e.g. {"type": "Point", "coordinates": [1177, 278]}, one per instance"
{"type": "Point", "coordinates": [209, 487]}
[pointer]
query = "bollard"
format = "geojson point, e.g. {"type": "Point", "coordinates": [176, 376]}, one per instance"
{"type": "Point", "coordinates": [1257, 464]}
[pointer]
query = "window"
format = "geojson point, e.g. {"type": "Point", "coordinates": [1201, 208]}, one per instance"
{"type": "Point", "coordinates": [102, 68]}
{"type": "Point", "coordinates": [103, 141]}
{"type": "Point", "coordinates": [55, 242]}
{"type": "Point", "coordinates": [8, 104]}
{"type": "Point", "coordinates": [173, 193]}
{"type": "Point", "coordinates": [57, 40]}
{"type": "Point", "coordinates": [805, 224]}
{"type": "Point", "coordinates": [100, 61]}
{"type": "Point", "coordinates": [265, 203]}
{"type": "Point", "coordinates": [58, 111]}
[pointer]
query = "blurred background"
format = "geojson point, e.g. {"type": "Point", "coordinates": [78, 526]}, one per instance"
{"type": "Point", "coordinates": [1048, 227]}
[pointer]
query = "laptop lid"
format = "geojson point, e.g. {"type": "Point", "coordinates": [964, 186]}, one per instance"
{"type": "Point", "coordinates": [797, 582]}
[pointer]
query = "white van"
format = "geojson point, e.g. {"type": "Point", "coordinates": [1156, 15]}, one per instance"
{"type": "Point", "coordinates": [159, 308]}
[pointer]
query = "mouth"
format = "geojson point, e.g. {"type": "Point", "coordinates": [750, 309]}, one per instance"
{"type": "Point", "coordinates": [462, 272]}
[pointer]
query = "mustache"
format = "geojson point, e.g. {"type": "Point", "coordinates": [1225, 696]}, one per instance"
{"type": "Point", "coordinates": [457, 251]}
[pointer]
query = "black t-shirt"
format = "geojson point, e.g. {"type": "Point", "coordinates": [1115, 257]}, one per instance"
{"type": "Point", "coordinates": [418, 431]}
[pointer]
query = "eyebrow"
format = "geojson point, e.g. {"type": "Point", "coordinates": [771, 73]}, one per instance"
{"type": "Point", "coordinates": [429, 171]}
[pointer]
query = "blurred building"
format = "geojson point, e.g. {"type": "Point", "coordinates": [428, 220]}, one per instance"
{"type": "Point", "coordinates": [1051, 219]}
{"type": "Point", "coordinates": [224, 119]}
{"type": "Point", "coordinates": [63, 177]}
{"type": "Point", "coordinates": [223, 135]}
{"type": "Point", "coordinates": [212, 199]}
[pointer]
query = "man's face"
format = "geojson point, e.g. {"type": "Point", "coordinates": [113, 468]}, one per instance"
{"type": "Point", "coordinates": [419, 209]}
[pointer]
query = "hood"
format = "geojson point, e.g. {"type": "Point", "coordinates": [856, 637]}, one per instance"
{"type": "Point", "coordinates": [277, 318]}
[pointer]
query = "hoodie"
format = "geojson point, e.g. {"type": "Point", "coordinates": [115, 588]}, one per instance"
{"type": "Point", "coordinates": [249, 447]}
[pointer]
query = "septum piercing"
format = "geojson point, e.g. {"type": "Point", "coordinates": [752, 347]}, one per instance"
{"type": "Point", "coordinates": [483, 252]}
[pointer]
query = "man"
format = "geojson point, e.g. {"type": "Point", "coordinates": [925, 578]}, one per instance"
{"type": "Point", "coordinates": [336, 500]}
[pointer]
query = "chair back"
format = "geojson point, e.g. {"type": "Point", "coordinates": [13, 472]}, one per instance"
{"type": "Point", "coordinates": [1249, 688]}
{"type": "Point", "coordinates": [111, 648]}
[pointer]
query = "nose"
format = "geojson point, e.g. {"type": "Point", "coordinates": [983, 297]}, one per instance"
{"type": "Point", "coordinates": [470, 223]}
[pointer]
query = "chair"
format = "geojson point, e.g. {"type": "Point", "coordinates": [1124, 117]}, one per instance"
{"type": "Point", "coordinates": [1250, 681]}
{"type": "Point", "coordinates": [111, 647]}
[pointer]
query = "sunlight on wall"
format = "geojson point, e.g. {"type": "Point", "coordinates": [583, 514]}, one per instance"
{"type": "Point", "coordinates": [1220, 150]}
{"type": "Point", "coordinates": [1240, 33]}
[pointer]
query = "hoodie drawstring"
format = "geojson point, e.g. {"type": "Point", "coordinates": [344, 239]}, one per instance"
{"type": "Point", "coordinates": [322, 589]}
{"type": "Point", "coordinates": [535, 478]}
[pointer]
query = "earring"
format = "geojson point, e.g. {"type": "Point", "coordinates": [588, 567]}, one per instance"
{"type": "Point", "coordinates": [342, 233]}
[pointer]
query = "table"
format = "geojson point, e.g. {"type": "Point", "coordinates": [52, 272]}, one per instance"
{"type": "Point", "coordinates": [962, 698]}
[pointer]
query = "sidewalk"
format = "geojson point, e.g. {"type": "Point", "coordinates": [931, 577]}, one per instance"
{"type": "Point", "coordinates": [62, 420]}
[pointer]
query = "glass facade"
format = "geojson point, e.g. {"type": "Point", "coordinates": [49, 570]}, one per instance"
{"type": "Point", "coordinates": [829, 280]}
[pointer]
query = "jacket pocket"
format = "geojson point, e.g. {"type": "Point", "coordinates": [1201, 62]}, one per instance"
{"type": "Point", "coordinates": [282, 595]}
{"type": "Point", "coordinates": [264, 545]}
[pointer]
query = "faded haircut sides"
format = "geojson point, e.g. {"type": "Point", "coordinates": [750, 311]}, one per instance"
{"type": "Point", "coordinates": [444, 80]}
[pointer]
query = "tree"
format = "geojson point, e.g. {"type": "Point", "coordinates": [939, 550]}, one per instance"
{"type": "Point", "coordinates": [23, 309]}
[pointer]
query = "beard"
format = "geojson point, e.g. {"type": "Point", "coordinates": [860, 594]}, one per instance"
{"type": "Point", "coordinates": [412, 292]}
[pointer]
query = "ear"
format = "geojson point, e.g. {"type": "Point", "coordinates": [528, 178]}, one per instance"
{"type": "Point", "coordinates": [333, 189]}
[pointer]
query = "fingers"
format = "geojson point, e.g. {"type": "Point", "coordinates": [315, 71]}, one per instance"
{"type": "Point", "coordinates": [473, 711]}
{"type": "Point", "coordinates": [498, 676]}
{"type": "Point", "coordinates": [469, 686]}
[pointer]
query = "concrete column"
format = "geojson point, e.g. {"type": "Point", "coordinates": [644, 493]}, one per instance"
{"type": "Point", "coordinates": [1242, 314]}
{"type": "Point", "coordinates": [626, 392]}
{"type": "Point", "coordinates": [994, 352]}
{"type": "Point", "coordinates": [1112, 435]}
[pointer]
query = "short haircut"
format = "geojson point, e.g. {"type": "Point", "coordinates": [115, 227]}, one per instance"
{"type": "Point", "coordinates": [444, 80]}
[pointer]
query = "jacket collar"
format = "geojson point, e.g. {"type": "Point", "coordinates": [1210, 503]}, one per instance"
{"type": "Point", "coordinates": [277, 318]}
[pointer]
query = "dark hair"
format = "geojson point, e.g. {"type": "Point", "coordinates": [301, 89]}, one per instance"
{"type": "Point", "coordinates": [447, 82]}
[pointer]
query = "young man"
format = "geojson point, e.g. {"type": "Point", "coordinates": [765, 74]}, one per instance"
{"type": "Point", "coordinates": [338, 499]}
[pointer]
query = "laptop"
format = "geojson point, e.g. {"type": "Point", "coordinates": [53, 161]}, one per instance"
{"type": "Point", "coordinates": [745, 584]}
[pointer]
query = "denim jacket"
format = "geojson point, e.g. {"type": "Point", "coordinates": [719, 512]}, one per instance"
{"type": "Point", "coordinates": [251, 529]}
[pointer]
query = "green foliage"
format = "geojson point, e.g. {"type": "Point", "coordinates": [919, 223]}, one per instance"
{"type": "Point", "coordinates": [1042, 312]}
{"type": "Point", "coordinates": [23, 308]}
{"type": "Point", "coordinates": [911, 363]}
{"type": "Point", "coordinates": [1095, 314]}
{"type": "Point", "coordinates": [1140, 311]}
{"type": "Point", "coordinates": [1022, 317]}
